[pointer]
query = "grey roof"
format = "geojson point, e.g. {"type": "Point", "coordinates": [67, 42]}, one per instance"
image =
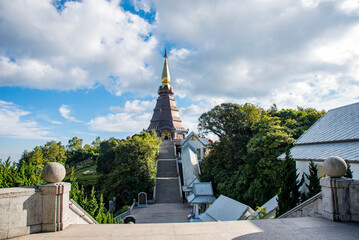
{"type": "Point", "coordinates": [202, 193]}
{"type": "Point", "coordinates": [190, 187]}
{"type": "Point", "coordinates": [202, 199]}
{"type": "Point", "coordinates": [271, 205]}
{"type": "Point", "coordinates": [190, 197]}
{"type": "Point", "coordinates": [227, 209]}
{"type": "Point", "coordinates": [206, 218]}
{"type": "Point", "coordinates": [189, 166]}
{"type": "Point", "coordinates": [346, 150]}
{"type": "Point", "coordinates": [193, 182]}
{"type": "Point", "coordinates": [334, 134]}
{"type": "Point", "coordinates": [339, 124]}
{"type": "Point", "coordinates": [203, 141]}
{"type": "Point", "coordinates": [203, 188]}
{"type": "Point", "coordinates": [193, 198]}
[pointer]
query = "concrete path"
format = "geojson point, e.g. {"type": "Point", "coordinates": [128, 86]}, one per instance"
{"type": "Point", "coordinates": [162, 213]}
{"type": "Point", "coordinates": [288, 228]}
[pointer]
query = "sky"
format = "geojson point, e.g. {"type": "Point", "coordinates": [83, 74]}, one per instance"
{"type": "Point", "coordinates": [92, 68]}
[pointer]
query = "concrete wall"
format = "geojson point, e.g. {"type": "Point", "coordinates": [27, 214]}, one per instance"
{"type": "Point", "coordinates": [42, 208]}
{"type": "Point", "coordinates": [20, 211]}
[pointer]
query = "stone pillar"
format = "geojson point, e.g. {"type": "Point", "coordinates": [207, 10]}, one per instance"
{"type": "Point", "coordinates": [336, 199]}
{"type": "Point", "coordinates": [55, 198]}
{"type": "Point", "coordinates": [335, 191]}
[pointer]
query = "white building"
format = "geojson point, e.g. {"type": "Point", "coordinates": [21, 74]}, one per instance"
{"type": "Point", "coordinates": [194, 148]}
{"type": "Point", "coordinates": [198, 144]}
{"type": "Point", "coordinates": [334, 134]}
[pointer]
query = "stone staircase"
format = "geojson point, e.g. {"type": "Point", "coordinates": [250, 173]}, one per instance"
{"type": "Point", "coordinates": [167, 182]}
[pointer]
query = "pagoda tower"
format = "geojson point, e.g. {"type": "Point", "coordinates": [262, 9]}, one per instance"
{"type": "Point", "coordinates": [166, 121]}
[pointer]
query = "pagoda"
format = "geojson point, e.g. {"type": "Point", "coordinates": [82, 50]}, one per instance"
{"type": "Point", "coordinates": [166, 121]}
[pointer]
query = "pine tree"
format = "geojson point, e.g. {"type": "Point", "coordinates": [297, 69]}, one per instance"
{"type": "Point", "coordinates": [314, 180]}
{"type": "Point", "coordinates": [349, 173]}
{"type": "Point", "coordinates": [74, 193]}
{"type": "Point", "coordinates": [92, 205]}
{"type": "Point", "coordinates": [101, 206]}
{"type": "Point", "coordinates": [288, 196]}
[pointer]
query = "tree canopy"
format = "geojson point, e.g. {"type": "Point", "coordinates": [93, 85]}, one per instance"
{"type": "Point", "coordinates": [243, 164]}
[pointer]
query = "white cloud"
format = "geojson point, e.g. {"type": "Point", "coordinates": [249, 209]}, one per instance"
{"type": "Point", "coordinates": [144, 5]}
{"type": "Point", "coordinates": [65, 113]}
{"type": "Point", "coordinates": [87, 43]}
{"type": "Point", "coordinates": [133, 117]}
{"type": "Point", "coordinates": [263, 51]}
{"type": "Point", "coordinates": [120, 122]}
{"type": "Point", "coordinates": [134, 107]}
{"type": "Point", "coordinates": [13, 124]}
{"type": "Point", "coordinates": [260, 51]}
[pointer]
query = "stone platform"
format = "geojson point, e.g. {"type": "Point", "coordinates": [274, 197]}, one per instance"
{"type": "Point", "coordinates": [162, 213]}
{"type": "Point", "coordinates": [289, 228]}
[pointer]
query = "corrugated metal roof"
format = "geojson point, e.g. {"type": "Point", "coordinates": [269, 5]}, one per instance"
{"type": "Point", "coordinates": [339, 124]}
{"type": "Point", "coordinates": [346, 150]}
{"type": "Point", "coordinates": [227, 209]}
{"type": "Point", "coordinates": [203, 188]}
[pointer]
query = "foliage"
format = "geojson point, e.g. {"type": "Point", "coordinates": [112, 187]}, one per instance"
{"type": "Point", "coordinates": [15, 175]}
{"type": "Point", "coordinates": [128, 166]}
{"type": "Point", "coordinates": [76, 153]}
{"type": "Point", "coordinates": [298, 121]}
{"type": "Point", "coordinates": [349, 173]}
{"type": "Point", "coordinates": [243, 165]}
{"type": "Point", "coordinates": [314, 181]}
{"type": "Point", "coordinates": [89, 203]}
{"type": "Point", "coordinates": [262, 213]}
{"type": "Point", "coordinates": [52, 151]}
{"type": "Point", "coordinates": [289, 195]}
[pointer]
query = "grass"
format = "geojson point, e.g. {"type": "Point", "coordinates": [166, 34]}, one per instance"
{"type": "Point", "coordinates": [83, 179]}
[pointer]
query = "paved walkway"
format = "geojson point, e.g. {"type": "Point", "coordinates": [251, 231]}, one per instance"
{"type": "Point", "coordinates": [162, 213]}
{"type": "Point", "coordinates": [288, 228]}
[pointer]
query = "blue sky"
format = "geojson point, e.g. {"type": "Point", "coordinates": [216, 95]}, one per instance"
{"type": "Point", "coordinates": [92, 68]}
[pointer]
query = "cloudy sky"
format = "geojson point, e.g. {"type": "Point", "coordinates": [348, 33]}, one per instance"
{"type": "Point", "coordinates": [92, 68]}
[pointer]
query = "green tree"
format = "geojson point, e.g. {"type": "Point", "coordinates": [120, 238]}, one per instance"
{"type": "Point", "coordinates": [16, 175]}
{"type": "Point", "coordinates": [74, 144]}
{"type": "Point", "coordinates": [106, 157]}
{"type": "Point", "coordinates": [289, 195]}
{"type": "Point", "coordinates": [92, 205]}
{"type": "Point", "coordinates": [349, 173]}
{"type": "Point", "coordinates": [52, 151]}
{"type": "Point", "coordinates": [297, 121]}
{"type": "Point", "coordinates": [133, 168]}
{"type": "Point", "coordinates": [314, 181]}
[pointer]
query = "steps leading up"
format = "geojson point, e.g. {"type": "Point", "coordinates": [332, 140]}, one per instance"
{"type": "Point", "coordinates": [167, 184]}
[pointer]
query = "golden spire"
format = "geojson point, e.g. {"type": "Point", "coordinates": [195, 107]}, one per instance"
{"type": "Point", "coordinates": [166, 79]}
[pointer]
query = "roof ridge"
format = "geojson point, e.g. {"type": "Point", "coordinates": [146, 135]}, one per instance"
{"type": "Point", "coordinates": [343, 106]}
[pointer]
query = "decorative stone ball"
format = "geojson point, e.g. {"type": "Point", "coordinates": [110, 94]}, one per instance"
{"type": "Point", "coordinates": [335, 167]}
{"type": "Point", "coordinates": [53, 172]}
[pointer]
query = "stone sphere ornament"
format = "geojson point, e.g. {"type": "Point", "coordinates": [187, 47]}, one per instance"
{"type": "Point", "coordinates": [335, 167]}
{"type": "Point", "coordinates": [53, 172]}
